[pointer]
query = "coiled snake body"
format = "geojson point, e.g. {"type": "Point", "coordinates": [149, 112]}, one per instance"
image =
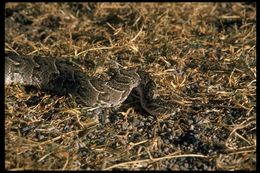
{"type": "Point", "coordinates": [63, 77]}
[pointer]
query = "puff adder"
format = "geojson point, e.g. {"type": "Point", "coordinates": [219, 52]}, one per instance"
{"type": "Point", "coordinates": [63, 77]}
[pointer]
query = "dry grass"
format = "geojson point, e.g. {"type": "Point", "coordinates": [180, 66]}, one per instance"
{"type": "Point", "coordinates": [201, 55]}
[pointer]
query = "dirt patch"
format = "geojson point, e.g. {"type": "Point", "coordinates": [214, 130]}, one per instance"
{"type": "Point", "coordinates": [201, 55]}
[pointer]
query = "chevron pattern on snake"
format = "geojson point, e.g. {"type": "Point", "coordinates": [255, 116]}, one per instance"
{"type": "Point", "coordinates": [64, 77]}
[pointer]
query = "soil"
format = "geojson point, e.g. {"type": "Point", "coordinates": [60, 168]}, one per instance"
{"type": "Point", "coordinates": [201, 55]}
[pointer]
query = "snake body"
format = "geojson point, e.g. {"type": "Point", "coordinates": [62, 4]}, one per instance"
{"type": "Point", "coordinates": [63, 77]}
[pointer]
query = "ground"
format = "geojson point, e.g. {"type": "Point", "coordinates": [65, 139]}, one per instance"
{"type": "Point", "coordinates": [201, 55]}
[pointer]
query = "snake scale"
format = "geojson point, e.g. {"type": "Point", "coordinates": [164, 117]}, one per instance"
{"type": "Point", "coordinates": [63, 77]}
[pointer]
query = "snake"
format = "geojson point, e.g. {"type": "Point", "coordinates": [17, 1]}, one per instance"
{"type": "Point", "coordinates": [61, 76]}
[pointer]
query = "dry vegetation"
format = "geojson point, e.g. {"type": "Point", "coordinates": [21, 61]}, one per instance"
{"type": "Point", "coordinates": [201, 55]}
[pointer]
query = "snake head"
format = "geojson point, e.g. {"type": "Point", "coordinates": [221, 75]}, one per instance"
{"type": "Point", "coordinates": [147, 85]}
